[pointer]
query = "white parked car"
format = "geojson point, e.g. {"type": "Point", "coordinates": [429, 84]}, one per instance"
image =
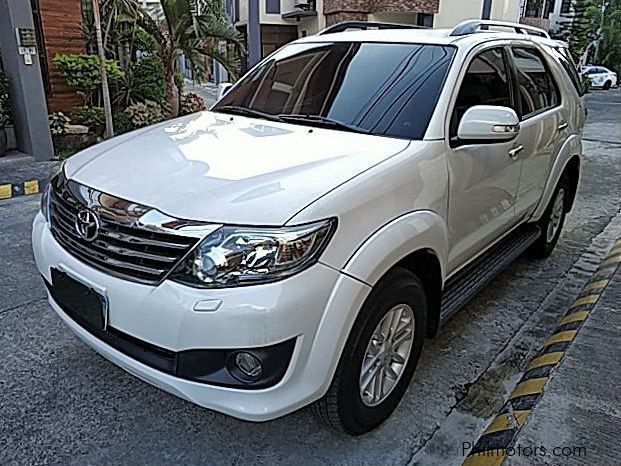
{"type": "Point", "coordinates": [297, 243]}
{"type": "Point", "coordinates": [600, 77]}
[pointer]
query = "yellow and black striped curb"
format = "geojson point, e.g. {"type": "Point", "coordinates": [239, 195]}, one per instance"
{"type": "Point", "coordinates": [22, 188]}
{"type": "Point", "coordinates": [494, 445]}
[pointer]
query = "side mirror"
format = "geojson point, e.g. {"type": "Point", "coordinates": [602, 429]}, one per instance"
{"type": "Point", "coordinates": [488, 123]}
{"type": "Point", "coordinates": [223, 88]}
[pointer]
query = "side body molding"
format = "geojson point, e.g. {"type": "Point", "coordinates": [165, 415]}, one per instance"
{"type": "Point", "coordinates": [571, 148]}
{"type": "Point", "coordinates": [418, 230]}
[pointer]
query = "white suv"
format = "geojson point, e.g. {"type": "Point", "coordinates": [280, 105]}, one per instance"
{"type": "Point", "coordinates": [299, 241]}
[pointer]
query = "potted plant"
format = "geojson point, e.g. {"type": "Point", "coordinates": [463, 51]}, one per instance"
{"type": "Point", "coordinates": [5, 113]}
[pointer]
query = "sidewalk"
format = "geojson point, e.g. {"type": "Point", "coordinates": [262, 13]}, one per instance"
{"type": "Point", "coordinates": [207, 91]}
{"type": "Point", "coordinates": [566, 407]}
{"type": "Point", "coordinates": [579, 413]}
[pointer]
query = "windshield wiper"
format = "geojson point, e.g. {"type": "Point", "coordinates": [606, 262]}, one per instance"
{"type": "Point", "coordinates": [322, 121]}
{"type": "Point", "coordinates": [245, 111]}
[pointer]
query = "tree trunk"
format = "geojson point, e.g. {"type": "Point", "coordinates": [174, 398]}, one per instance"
{"type": "Point", "coordinates": [172, 93]}
{"type": "Point", "coordinates": [109, 133]}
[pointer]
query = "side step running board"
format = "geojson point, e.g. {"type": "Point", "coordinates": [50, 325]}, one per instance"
{"type": "Point", "coordinates": [466, 283]}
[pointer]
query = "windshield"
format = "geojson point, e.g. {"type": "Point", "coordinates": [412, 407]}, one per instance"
{"type": "Point", "coordinates": [377, 88]}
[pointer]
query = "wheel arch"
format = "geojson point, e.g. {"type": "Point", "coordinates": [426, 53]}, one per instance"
{"type": "Point", "coordinates": [418, 242]}
{"type": "Point", "coordinates": [424, 263]}
{"type": "Point", "coordinates": [572, 169]}
{"type": "Point", "coordinates": [567, 161]}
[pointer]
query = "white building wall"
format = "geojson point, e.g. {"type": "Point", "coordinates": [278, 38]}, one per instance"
{"type": "Point", "coordinates": [308, 25]}
{"type": "Point", "coordinates": [453, 12]}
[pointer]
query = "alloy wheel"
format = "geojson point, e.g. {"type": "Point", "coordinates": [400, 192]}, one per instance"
{"type": "Point", "coordinates": [556, 215]}
{"type": "Point", "coordinates": [387, 354]}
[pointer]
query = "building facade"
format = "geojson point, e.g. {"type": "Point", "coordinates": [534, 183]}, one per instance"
{"type": "Point", "coordinates": [546, 14]}
{"type": "Point", "coordinates": [282, 21]}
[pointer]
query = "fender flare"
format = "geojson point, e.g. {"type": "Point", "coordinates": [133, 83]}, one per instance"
{"type": "Point", "coordinates": [572, 147]}
{"type": "Point", "coordinates": [418, 230]}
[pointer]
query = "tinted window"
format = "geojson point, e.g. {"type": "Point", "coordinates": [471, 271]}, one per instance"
{"type": "Point", "coordinates": [486, 83]}
{"type": "Point", "coordinates": [272, 6]}
{"type": "Point", "coordinates": [384, 89]}
{"type": "Point", "coordinates": [537, 88]}
{"type": "Point", "coordinates": [572, 72]}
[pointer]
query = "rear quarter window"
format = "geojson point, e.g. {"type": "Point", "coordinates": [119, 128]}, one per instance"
{"type": "Point", "coordinates": [572, 73]}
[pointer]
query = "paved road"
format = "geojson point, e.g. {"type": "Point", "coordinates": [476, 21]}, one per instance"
{"type": "Point", "coordinates": [62, 403]}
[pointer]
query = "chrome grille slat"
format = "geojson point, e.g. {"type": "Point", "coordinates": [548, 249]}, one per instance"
{"type": "Point", "coordinates": [141, 255]}
{"type": "Point", "coordinates": [131, 240]}
{"type": "Point", "coordinates": [90, 255]}
{"type": "Point", "coordinates": [103, 248]}
{"type": "Point", "coordinates": [110, 265]}
{"type": "Point", "coordinates": [124, 247]}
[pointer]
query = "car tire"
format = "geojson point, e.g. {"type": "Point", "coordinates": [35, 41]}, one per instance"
{"type": "Point", "coordinates": [398, 298]}
{"type": "Point", "coordinates": [552, 222]}
{"type": "Point", "coordinates": [607, 85]}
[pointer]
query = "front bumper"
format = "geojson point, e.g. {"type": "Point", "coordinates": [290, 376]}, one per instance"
{"type": "Point", "coordinates": [315, 308]}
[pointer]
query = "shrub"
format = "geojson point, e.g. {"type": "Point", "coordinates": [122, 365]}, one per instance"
{"type": "Point", "coordinates": [192, 103]}
{"type": "Point", "coordinates": [93, 117]}
{"type": "Point", "coordinates": [5, 102]}
{"type": "Point", "coordinates": [59, 123]}
{"type": "Point", "coordinates": [82, 73]}
{"type": "Point", "coordinates": [122, 123]}
{"type": "Point", "coordinates": [144, 81]}
{"type": "Point", "coordinates": [144, 42]}
{"type": "Point", "coordinates": [144, 114]}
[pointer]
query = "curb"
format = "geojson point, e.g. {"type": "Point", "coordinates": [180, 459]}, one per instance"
{"type": "Point", "coordinates": [494, 444]}
{"type": "Point", "coordinates": [23, 188]}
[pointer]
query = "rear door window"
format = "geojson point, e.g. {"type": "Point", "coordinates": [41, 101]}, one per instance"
{"type": "Point", "coordinates": [537, 89]}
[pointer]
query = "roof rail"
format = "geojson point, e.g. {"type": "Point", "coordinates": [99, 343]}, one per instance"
{"type": "Point", "coordinates": [476, 25]}
{"type": "Point", "coordinates": [363, 25]}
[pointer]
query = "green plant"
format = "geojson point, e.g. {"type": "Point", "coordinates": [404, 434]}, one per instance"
{"type": "Point", "coordinates": [143, 81]}
{"type": "Point", "coordinates": [82, 72]}
{"type": "Point", "coordinates": [586, 83]}
{"type": "Point", "coordinates": [122, 123]}
{"type": "Point", "coordinates": [195, 36]}
{"type": "Point", "coordinates": [93, 117]}
{"type": "Point", "coordinates": [144, 114]}
{"type": "Point", "coordinates": [144, 42]}
{"type": "Point", "coordinates": [179, 81]}
{"type": "Point", "coordinates": [59, 123]}
{"type": "Point", "coordinates": [192, 103]}
{"type": "Point", "coordinates": [5, 102]}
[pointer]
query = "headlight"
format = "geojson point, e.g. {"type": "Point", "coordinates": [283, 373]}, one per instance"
{"type": "Point", "coordinates": [237, 256]}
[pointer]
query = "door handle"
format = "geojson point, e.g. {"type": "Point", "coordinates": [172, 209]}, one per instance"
{"type": "Point", "coordinates": [563, 125]}
{"type": "Point", "coordinates": [515, 152]}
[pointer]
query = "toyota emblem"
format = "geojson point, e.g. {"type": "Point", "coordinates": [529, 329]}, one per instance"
{"type": "Point", "coordinates": [87, 224]}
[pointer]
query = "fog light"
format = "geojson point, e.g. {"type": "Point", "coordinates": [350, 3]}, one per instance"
{"type": "Point", "coordinates": [248, 364]}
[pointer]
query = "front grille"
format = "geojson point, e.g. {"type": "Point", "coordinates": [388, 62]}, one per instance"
{"type": "Point", "coordinates": [124, 246]}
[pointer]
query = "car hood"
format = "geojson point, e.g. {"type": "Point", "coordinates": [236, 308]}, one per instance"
{"type": "Point", "coordinates": [228, 169]}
